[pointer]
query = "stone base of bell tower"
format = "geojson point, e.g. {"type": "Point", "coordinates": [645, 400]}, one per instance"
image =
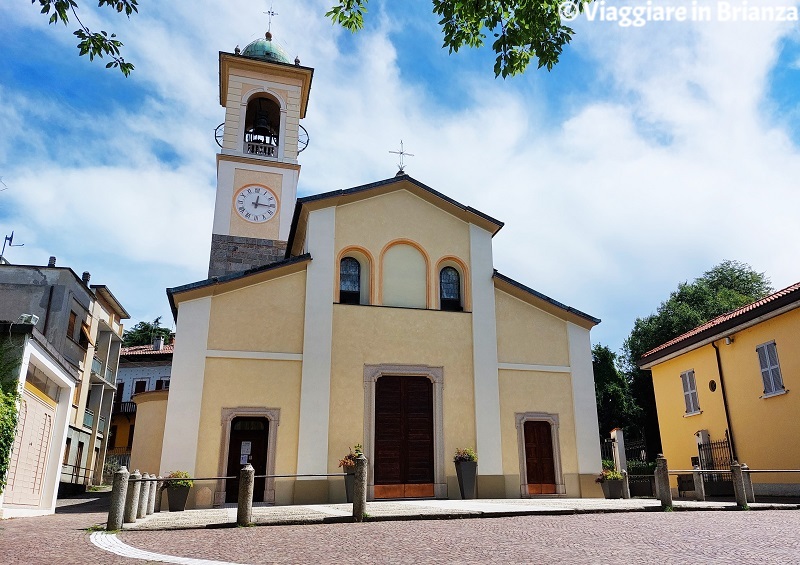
{"type": "Point", "coordinates": [234, 254]}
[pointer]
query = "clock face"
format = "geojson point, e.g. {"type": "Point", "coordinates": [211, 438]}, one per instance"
{"type": "Point", "coordinates": [256, 204]}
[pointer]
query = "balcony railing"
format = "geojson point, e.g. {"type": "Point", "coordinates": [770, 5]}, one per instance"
{"type": "Point", "coordinates": [101, 429]}
{"type": "Point", "coordinates": [124, 408]}
{"type": "Point", "coordinates": [88, 419]}
{"type": "Point", "coordinates": [97, 367]}
{"type": "Point", "coordinates": [262, 149]}
{"type": "Point", "coordinates": [110, 376]}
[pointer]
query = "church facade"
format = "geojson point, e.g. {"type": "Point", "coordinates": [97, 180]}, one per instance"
{"type": "Point", "coordinates": [371, 315]}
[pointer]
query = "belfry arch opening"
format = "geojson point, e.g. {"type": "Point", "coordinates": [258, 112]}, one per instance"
{"type": "Point", "coordinates": [262, 126]}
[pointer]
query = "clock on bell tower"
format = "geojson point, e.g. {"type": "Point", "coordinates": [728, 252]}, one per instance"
{"type": "Point", "coordinates": [265, 96]}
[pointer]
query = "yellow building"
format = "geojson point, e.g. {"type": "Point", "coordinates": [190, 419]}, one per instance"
{"type": "Point", "coordinates": [370, 315]}
{"type": "Point", "coordinates": [729, 382]}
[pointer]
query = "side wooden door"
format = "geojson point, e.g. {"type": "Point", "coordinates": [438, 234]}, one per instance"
{"type": "Point", "coordinates": [539, 461]}
{"type": "Point", "coordinates": [248, 444]}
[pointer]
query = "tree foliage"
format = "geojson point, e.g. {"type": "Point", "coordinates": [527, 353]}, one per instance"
{"type": "Point", "coordinates": [94, 44]}
{"type": "Point", "coordinates": [10, 358]}
{"type": "Point", "coordinates": [144, 333]}
{"type": "Point", "coordinates": [521, 30]}
{"type": "Point", "coordinates": [725, 287]}
{"type": "Point", "coordinates": [616, 407]}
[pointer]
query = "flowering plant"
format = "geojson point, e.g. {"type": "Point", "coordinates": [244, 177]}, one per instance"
{"type": "Point", "coordinates": [178, 479]}
{"type": "Point", "coordinates": [465, 454]}
{"type": "Point", "coordinates": [349, 460]}
{"type": "Point", "coordinates": [608, 475]}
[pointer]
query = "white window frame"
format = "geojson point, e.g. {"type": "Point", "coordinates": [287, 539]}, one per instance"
{"type": "Point", "coordinates": [690, 398]}
{"type": "Point", "coordinates": [770, 367]}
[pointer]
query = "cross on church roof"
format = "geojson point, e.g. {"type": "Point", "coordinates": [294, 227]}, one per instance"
{"type": "Point", "coordinates": [402, 154]}
{"type": "Point", "coordinates": [270, 13]}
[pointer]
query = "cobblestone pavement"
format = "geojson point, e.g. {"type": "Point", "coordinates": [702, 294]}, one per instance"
{"type": "Point", "coordinates": [638, 537]}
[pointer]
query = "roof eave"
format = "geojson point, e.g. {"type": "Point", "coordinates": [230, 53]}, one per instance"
{"type": "Point", "coordinates": [748, 319]}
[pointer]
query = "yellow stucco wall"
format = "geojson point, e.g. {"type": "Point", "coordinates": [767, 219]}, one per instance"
{"type": "Point", "coordinates": [536, 391]}
{"type": "Point", "coordinates": [151, 414]}
{"type": "Point", "coordinates": [374, 223]}
{"type": "Point", "coordinates": [528, 335]}
{"type": "Point", "coordinates": [263, 317]}
{"type": "Point", "coordinates": [364, 335]}
{"type": "Point", "coordinates": [233, 383]}
{"type": "Point", "coordinates": [764, 429]}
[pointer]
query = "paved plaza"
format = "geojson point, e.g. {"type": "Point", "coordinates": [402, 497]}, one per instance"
{"type": "Point", "coordinates": [686, 536]}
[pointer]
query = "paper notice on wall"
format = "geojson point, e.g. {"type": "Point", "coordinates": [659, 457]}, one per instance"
{"type": "Point", "coordinates": [246, 447]}
{"type": "Point", "coordinates": [243, 459]}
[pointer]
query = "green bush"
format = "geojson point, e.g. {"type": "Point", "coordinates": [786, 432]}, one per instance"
{"type": "Point", "coordinates": [608, 464]}
{"type": "Point", "coordinates": [178, 479]}
{"type": "Point", "coordinates": [8, 426]}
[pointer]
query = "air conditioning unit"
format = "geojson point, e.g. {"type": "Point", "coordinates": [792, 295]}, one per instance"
{"type": "Point", "coordinates": [28, 319]}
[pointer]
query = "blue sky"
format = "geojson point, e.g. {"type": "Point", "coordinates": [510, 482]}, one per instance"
{"type": "Point", "coordinates": [644, 158]}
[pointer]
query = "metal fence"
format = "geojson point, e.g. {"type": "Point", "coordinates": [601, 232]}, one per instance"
{"type": "Point", "coordinates": [715, 455]}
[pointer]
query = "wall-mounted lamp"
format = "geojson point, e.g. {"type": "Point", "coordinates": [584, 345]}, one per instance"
{"type": "Point", "coordinates": [728, 340]}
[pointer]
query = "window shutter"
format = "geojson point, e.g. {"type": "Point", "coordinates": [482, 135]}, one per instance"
{"type": "Point", "coordinates": [764, 363]}
{"type": "Point", "coordinates": [693, 392]}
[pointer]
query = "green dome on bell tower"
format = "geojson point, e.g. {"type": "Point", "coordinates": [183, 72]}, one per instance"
{"type": "Point", "coordinates": [266, 49]}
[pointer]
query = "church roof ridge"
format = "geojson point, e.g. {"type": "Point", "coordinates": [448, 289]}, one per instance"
{"type": "Point", "coordinates": [377, 184]}
{"type": "Point", "coordinates": [537, 294]}
{"type": "Point", "coordinates": [230, 277]}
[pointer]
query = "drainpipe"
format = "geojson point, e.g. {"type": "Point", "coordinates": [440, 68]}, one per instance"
{"type": "Point", "coordinates": [725, 401]}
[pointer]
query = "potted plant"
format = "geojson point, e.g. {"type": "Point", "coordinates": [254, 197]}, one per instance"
{"type": "Point", "coordinates": [611, 483]}
{"type": "Point", "coordinates": [178, 484]}
{"type": "Point", "coordinates": [348, 464]}
{"type": "Point", "coordinates": [466, 461]}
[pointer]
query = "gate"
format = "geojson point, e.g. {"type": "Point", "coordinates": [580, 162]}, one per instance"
{"type": "Point", "coordinates": [640, 471]}
{"type": "Point", "coordinates": [716, 455]}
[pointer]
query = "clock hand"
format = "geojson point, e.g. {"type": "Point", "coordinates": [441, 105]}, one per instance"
{"type": "Point", "coordinates": [255, 204]}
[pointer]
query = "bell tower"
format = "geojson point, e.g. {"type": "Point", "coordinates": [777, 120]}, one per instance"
{"type": "Point", "coordinates": [264, 96]}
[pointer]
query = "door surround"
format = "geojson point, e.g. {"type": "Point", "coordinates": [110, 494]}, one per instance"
{"type": "Point", "coordinates": [273, 415]}
{"type": "Point", "coordinates": [552, 419]}
{"type": "Point", "coordinates": [436, 375]}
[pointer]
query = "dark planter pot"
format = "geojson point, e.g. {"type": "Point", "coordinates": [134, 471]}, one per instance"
{"type": "Point", "coordinates": [177, 498]}
{"type": "Point", "coordinates": [349, 481]}
{"type": "Point", "coordinates": [467, 472]}
{"type": "Point", "coordinates": [612, 488]}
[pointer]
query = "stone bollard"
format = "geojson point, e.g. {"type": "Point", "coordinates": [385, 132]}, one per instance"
{"type": "Point", "coordinates": [699, 485]}
{"type": "Point", "coordinates": [244, 514]}
{"type": "Point", "coordinates": [738, 485]}
{"type": "Point", "coordinates": [144, 497]}
{"type": "Point", "coordinates": [626, 486]}
{"type": "Point", "coordinates": [159, 492]}
{"type": "Point", "coordinates": [662, 482]}
{"type": "Point", "coordinates": [360, 489]}
{"type": "Point", "coordinates": [118, 491]}
{"type": "Point", "coordinates": [750, 494]}
{"type": "Point", "coordinates": [132, 499]}
{"type": "Point", "coordinates": [151, 501]}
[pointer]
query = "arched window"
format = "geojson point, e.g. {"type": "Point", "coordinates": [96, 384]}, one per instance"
{"type": "Point", "coordinates": [450, 290]}
{"type": "Point", "coordinates": [261, 127]}
{"type": "Point", "coordinates": [349, 281]}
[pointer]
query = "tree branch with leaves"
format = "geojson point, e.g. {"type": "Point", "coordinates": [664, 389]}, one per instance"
{"type": "Point", "coordinates": [523, 30]}
{"type": "Point", "coordinates": [94, 44]}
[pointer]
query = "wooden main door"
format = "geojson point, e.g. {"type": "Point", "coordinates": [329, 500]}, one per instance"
{"type": "Point", "coordinates": [539, 461]}
{"type": "Point", "coordinates": [403, 437]}
{"type": "Point", "coordinates": [248, 444]}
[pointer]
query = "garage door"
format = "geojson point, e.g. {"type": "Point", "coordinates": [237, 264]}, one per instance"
{"type": "Point", "coordinates": [29, 458]}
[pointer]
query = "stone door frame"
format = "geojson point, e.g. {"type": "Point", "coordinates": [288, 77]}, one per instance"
{"type": "Point", "coordinates": [552, 419]}
{"type": "Point", "coordinates": [436, 375]}
{"type": "Point", "coordinates": [273, 415]}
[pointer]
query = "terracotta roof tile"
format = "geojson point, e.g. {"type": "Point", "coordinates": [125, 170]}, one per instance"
{"type": "Point", "coordinates": [721, 319]}
{"type": "Point", "coordinates": [146, 350]}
